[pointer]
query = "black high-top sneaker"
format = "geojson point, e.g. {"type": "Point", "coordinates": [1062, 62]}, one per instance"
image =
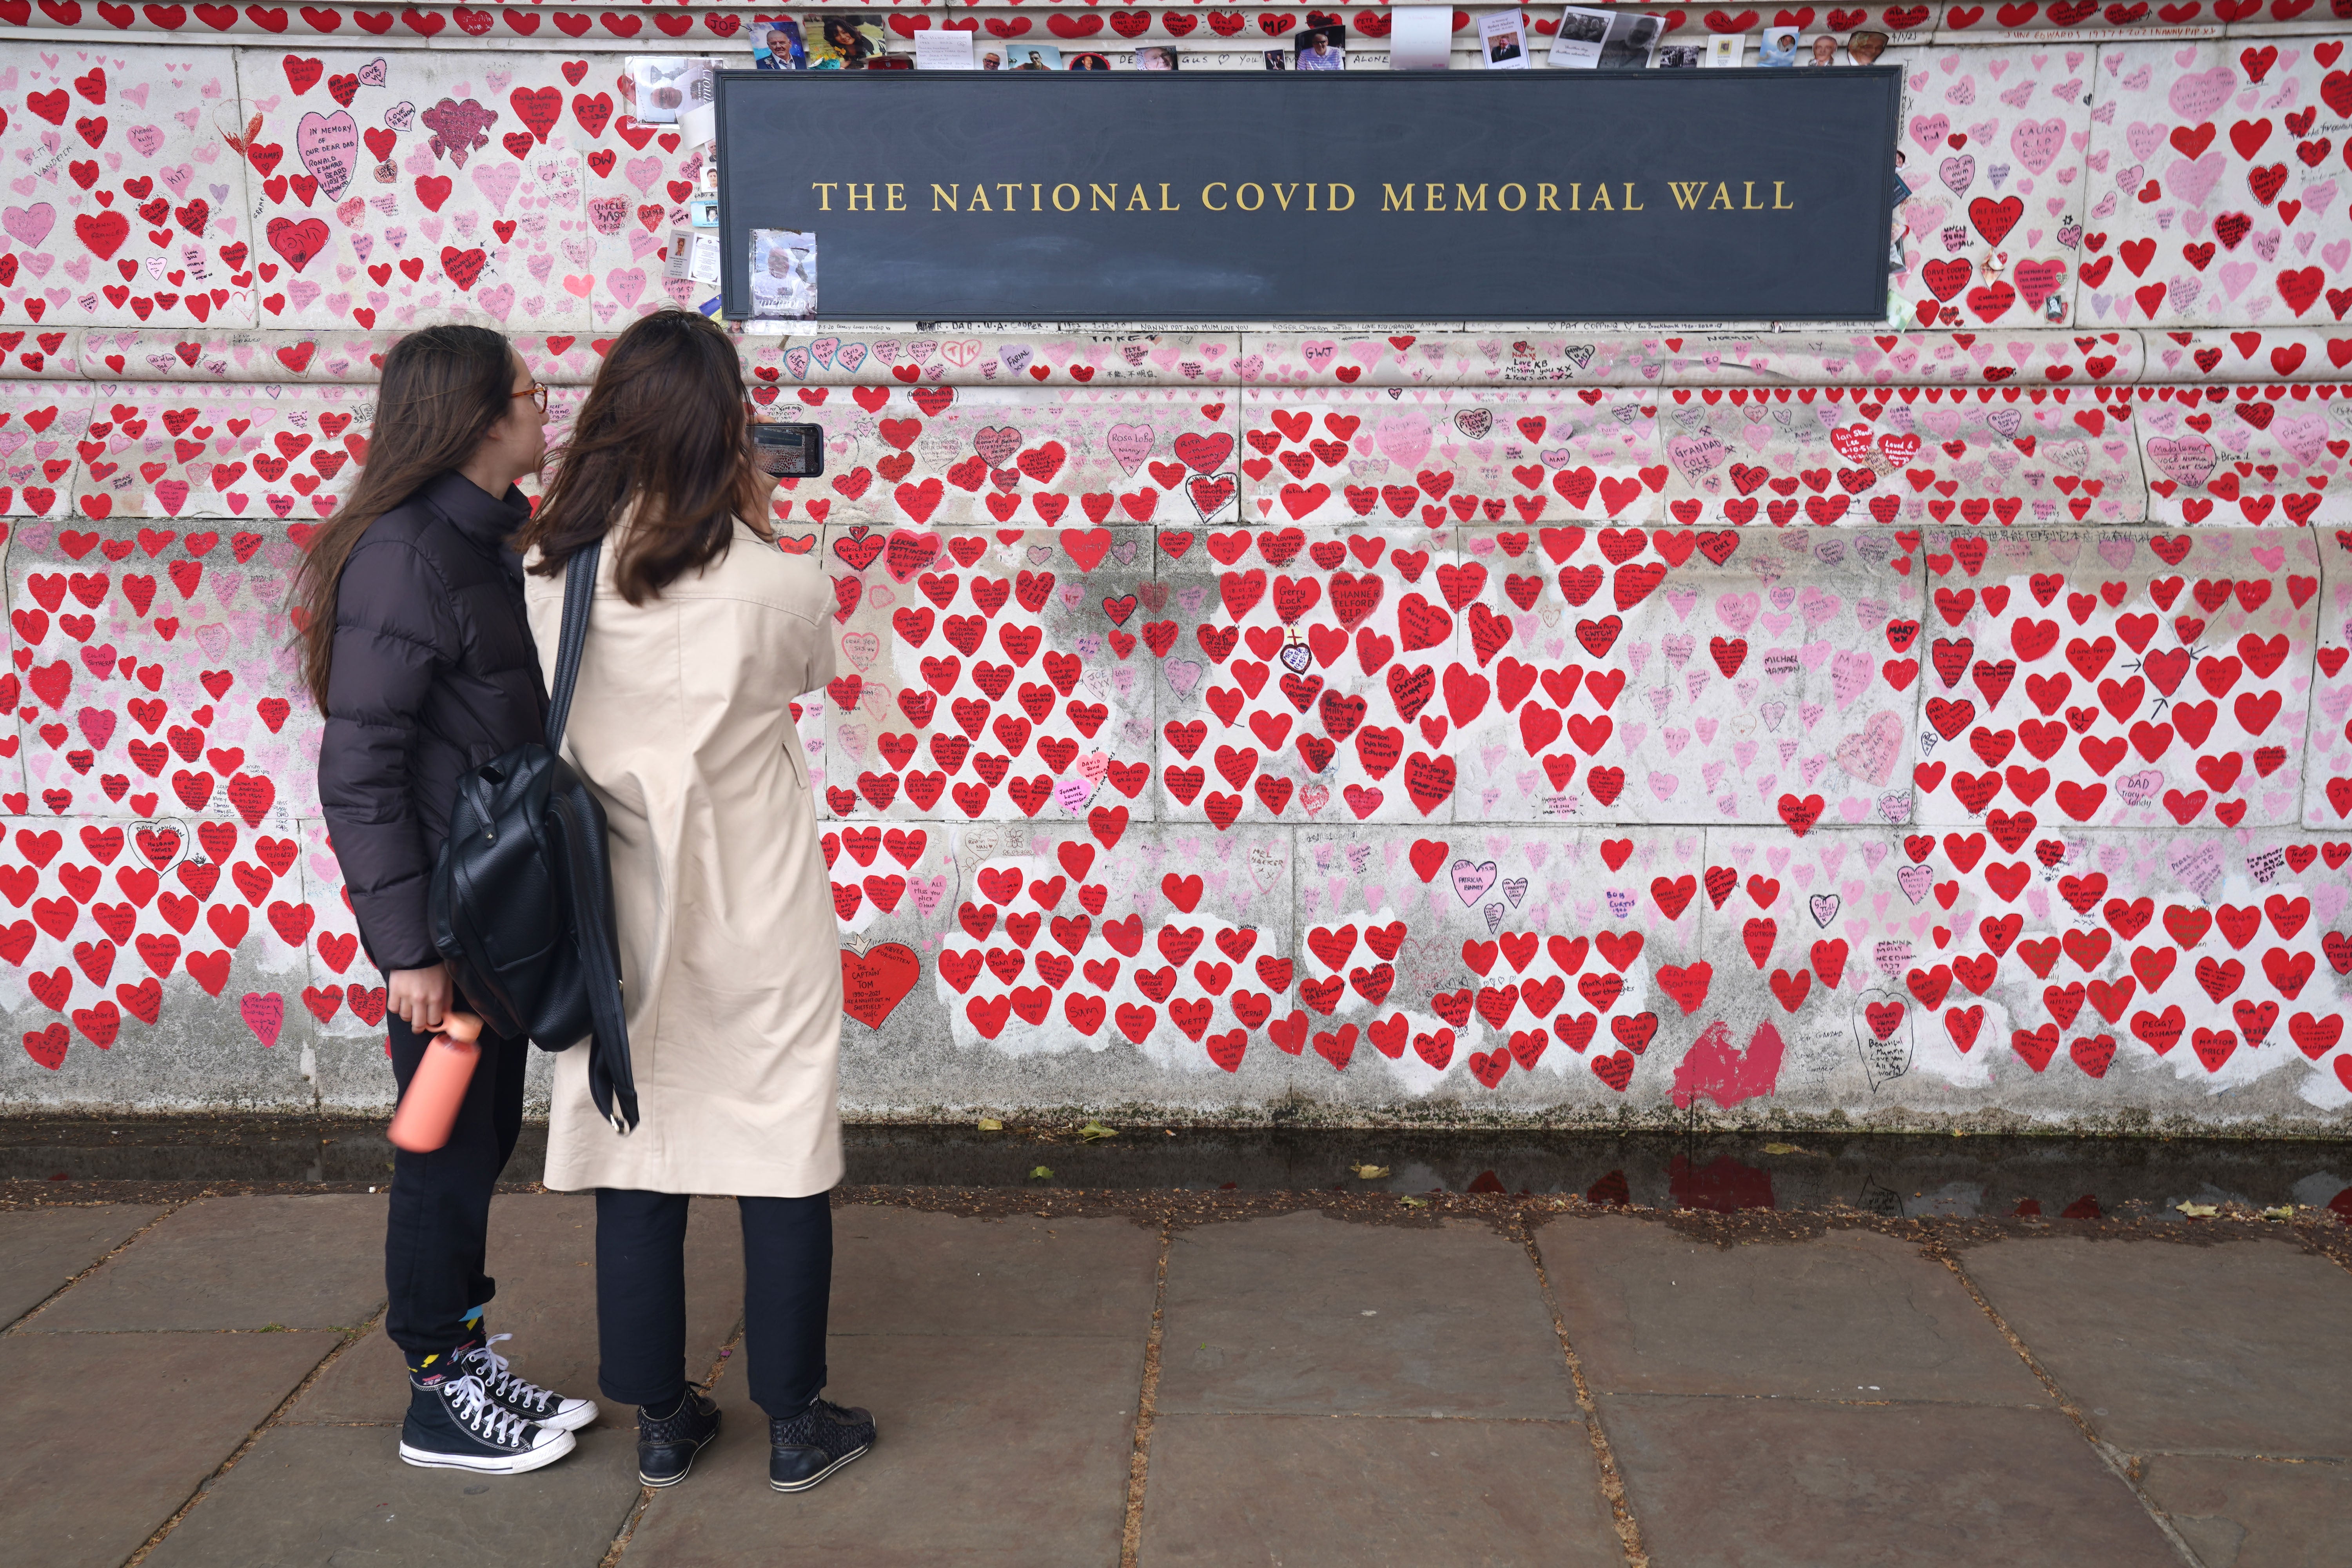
{"type": "Point", "coordinates": [809, 1447]}
{"type": "Point", "coordinates": [667, 1445]}
{"type": "Point", "coordinates": [454, 1425]}
{"type": "Point", "coordinates": [517, 1396]}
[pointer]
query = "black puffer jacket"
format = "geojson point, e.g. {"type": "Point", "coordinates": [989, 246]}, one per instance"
{"type": "Point", "coordinates": [434, 673]}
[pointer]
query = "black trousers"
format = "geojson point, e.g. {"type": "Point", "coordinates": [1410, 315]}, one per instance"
{"type": "Point", "coordinates": [641, 1296]}
{"type": "Point", "coordinates": [435, 1236]}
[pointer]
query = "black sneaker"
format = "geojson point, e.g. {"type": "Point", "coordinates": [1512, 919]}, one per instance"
{"type": "Point", "coordinates": [809, 1447]}
{"type": "Point", "coordinates": [541, 1406]}
{"type": "Point", "coordinates": [667, 1448]}
{"type": "Point", "coordinates": [453, 1425]}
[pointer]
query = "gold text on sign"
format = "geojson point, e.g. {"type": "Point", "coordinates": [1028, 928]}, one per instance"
{"type": "Point", "coordinates": [1691, 195]}
{"type": "Point", "coordinates": [1277, 197]}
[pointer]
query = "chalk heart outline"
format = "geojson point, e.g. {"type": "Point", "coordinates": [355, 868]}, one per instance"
{"type": "Point", "coordinates": [155, 827]}
{"type": "Point", "coordinates": [1473, 879]}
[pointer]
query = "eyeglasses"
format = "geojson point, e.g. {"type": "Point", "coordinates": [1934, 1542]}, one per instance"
{"type": "Point", "coordinates": [537, 394]}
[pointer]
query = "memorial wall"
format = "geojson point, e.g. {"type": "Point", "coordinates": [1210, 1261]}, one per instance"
{"type": "Point", "coordinates": [1939, 720]}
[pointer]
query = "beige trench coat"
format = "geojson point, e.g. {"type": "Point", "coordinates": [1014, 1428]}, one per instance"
{"type": "Point", "coordinates": [681, 722]}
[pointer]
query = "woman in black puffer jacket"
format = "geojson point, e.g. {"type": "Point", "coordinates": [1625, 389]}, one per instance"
{"type": "Point", "coordinates": [417, 649]}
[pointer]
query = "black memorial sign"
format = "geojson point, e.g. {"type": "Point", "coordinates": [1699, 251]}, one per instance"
{"type": "Point", "coordinates": [1508, 196]}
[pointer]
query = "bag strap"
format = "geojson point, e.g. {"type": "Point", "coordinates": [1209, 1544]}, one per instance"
{"type": "Point", "coordinates": [579, 589]}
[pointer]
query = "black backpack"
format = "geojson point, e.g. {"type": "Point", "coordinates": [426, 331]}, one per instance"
{"type": "Point", "coordinates": [521, 902]}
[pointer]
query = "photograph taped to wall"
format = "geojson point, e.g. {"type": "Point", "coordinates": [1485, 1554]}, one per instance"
{"type": "Point", "coordinates": [1577, 45]}
{"type": "Point", "coordinates": [1088, 62]}
{"type": "Point", "coordinates": [1277, 59]}
{"type": "Point", "coordinates": [784, 275]}
{"type": "Point", "coordinates": [1157, 57]}
{"type": "Point", "coordinates": [777, 45]}
{"type": "Point", "coordinates": [846, 41]}
{"type": "Point", "coordinates": [1604, 40]}
{"type": "Point", "coordinates": [1864, 47]}
{"type": "Point", "coordinates": [1779, 47]}
{"type": "Point", "coordinates": [1631, 39]}
{"type": "Point", "coordinates": [1322, 49]}
{"type": "Point", "coordinates": [1032, 58]}
{"type": "Point", "coordinates": [1502, 40]}
{"type": "Point", "coordinates": [666, 86]}
{"type": "Point", "coordinates": [692, 256]}
{"type": "Point", "coordinates": [1678, 57]}
{"type": "Point", "coordinates": [1726, 52]}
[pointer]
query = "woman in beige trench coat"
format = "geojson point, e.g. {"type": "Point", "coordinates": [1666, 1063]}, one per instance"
{"type": "Point", "coordinates": [700, 636]}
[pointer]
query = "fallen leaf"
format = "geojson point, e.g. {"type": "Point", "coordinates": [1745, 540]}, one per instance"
{"type": "Point", "coordinates": [1041, 1174]}
{"type": "Point", "coordinates": [1095, 1129]}
{"type": "Point", "coordinates": [2197, 1211]}
{"type": "Point", "coordinates": [990, 1124]}
{"type": "Point", "coordinates": [1371, 1173]}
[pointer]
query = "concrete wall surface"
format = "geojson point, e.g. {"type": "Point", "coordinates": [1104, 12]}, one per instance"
{"type": "Point", "coordinates": [1436, 720]}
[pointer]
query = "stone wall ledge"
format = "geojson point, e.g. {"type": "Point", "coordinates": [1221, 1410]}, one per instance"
{"type": "Point", "coordinates": [1497, 355]}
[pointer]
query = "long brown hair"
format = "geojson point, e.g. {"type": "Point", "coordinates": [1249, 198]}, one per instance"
{"type": "Point", "coordinates": [442, 389]}
{"type": "Point", "coordinates": [666, 426]}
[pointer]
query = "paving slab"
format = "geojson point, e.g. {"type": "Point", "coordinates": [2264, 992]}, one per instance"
{"type": "Point", "coordinates": [1307, 1315]}
{"type": "Point", "coordinates": [1321, 1491]}
{"type": "Point", "coordinates": [1844, 1315]}
{"type": "Point", "coordinates": [1009, 1451]}
{"type": "Point", "coordinates": [2237, 1345]}
{"type": "Point", "coordinates": [542, 1253]}
{"type": "Point", "coordinates": [236, 1263]}
{"type": "Point", "coordinates": [902, 1271]}
{"type": "Point", "coordinates": [107, 1434]}
{"type": "Point", "coordinates": [2255, 1514]}
{"type": "Point", "coordinates": [1785, 1483]}
{"type": "Point", "coordinates": [40, 1249]}
{"type": "Point", "coordinates": [339, 1495]}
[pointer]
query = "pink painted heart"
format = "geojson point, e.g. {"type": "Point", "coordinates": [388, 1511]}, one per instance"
{"type": "Point", "coordinates": [328, 146]}
{"type": "Point", "coordinates": [31, 224]}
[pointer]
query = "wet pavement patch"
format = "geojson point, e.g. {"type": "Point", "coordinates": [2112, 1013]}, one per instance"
{"type": "Point", "coordinates": [1894, 1175]}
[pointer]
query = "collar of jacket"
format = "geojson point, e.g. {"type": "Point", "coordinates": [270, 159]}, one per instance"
{"type": "Point", "coordinates": [487, 521]}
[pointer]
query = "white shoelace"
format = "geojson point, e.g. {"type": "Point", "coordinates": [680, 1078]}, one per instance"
{"type": "Point", "coordinates": [506, 1384]}
{"type": "Point", "coordinates": [475, 1409]}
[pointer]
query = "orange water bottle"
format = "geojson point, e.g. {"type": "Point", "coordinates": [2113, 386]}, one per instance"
{"type": "Point", "coordinates": [438, 1088]}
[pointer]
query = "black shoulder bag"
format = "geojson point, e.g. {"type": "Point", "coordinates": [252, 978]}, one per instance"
{"type": "Point", "coordinates": [521, 902]}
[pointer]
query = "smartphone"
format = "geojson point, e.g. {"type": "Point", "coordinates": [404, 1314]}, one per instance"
{"type": "Point", "coordinates": [789, 451]}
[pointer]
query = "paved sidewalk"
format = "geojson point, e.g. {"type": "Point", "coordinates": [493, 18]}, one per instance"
{"type": "Point", "coordinates": [213, 1388]}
